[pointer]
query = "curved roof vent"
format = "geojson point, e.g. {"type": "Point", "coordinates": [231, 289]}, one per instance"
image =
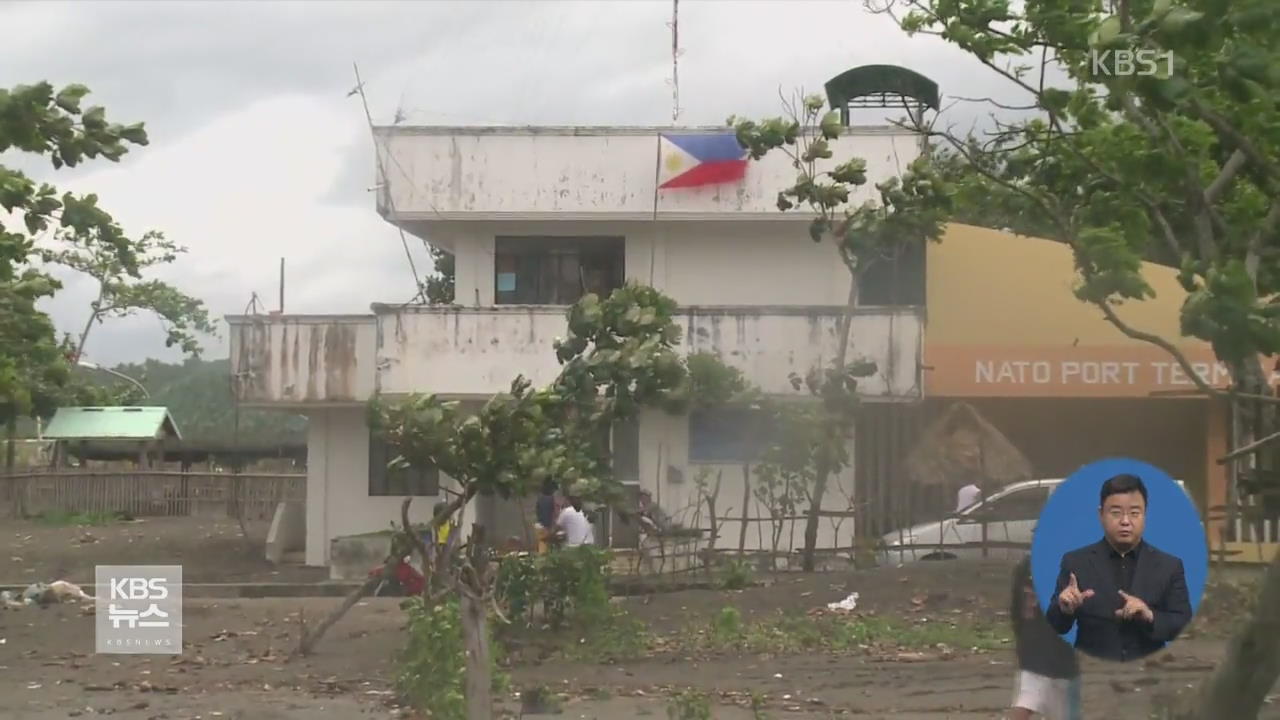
{"type": "Point", "coordinates": [881, 86]}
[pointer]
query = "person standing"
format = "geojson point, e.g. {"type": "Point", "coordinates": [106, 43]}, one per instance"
{"type": "Point", "coordinates": [545, 514]}
{"type": "Point", "coordinates": [1048, 680]}
{"type": "Point", "coordinates": [1126, 597]}
{"type": "Point", "coordinates": [968, 495]}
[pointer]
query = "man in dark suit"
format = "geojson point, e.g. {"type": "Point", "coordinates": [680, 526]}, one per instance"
{"type": "Point", "coordinates": [1126, 597]}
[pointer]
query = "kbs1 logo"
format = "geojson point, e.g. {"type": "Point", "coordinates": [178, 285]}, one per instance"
{"type": "Point", "coordinates": [143, 612]}
{"type": "Point", "coordinates": [1123, 63]}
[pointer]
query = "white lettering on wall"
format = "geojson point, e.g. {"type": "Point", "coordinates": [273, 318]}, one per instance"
{"type": "Point", "coordinates": [1096, 372]}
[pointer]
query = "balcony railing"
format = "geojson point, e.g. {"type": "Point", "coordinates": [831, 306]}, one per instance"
{"type": "Point", "coordinates": [468, 352]}
{"type": "Point", "coordinates": [478, 351]}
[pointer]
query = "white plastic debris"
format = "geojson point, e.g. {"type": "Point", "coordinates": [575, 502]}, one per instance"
{"type": "Point", "coordinates": [848, 604]}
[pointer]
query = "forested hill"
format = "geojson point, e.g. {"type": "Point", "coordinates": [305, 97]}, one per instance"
{"type": "Point", "coordinates": [198, 394]}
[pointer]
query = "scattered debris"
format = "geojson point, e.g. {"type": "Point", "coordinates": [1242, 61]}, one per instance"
{"type": "Point", "coordinates": [848, 604]}
{"type": "Point", "coordinates": [45, 594]}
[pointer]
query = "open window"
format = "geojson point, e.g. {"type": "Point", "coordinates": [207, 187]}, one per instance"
{"type": "Point", "coordinates": [728, 436]}
{"type": "Point", "coordinates": [556, 270]}
{"type": "Point", "coordinates": [896, 281]}
{"type": "Point", "coordinates": [404, 482]}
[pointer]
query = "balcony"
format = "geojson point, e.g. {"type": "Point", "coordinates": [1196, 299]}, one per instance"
{"type": "Point", "coordinates": [478, 351]}
{"type": "Point", "coordinates": [589, 173]}
{"type": "Point", "coordinates": [301, 361]}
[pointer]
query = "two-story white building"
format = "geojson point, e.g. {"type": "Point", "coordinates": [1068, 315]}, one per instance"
{"type": "Point", "coordinates": [535, 217]}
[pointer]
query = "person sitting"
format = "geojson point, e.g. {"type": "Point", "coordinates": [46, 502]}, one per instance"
{"type": "Point", "coordinates": [573, 527]}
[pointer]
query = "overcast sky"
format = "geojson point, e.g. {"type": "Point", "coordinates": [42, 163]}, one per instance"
{"type": "Point", "coordinates": [257, 153]}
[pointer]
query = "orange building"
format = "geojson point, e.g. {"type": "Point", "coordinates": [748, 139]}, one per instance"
{"type": "Point", "coordinates": [1006, 334]}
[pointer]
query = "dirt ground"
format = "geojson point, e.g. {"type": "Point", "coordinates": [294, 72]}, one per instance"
{"type": "Point", "coordinates": [208, 549]}
{"type": "Point", "coordinates": [236, 662]}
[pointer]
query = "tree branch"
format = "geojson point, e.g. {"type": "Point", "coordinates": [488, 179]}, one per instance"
{"type": "Point", "coordinates": [1250, 448]}
{"type": "Point", "coordinates": [1228, 173]}
{"type": "Point", "coordinates": [1132, 332]}
{"type": "Point", "coordinates": [1233, 137]}
{"type": "Point", "coordinates": [1253, 255]}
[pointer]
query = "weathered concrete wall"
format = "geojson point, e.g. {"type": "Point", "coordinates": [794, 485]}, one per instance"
{"type": "Point", "coordinates": [478, 351]}
{"type": "Point", "coordinates": [446, 173]}
{"type": "Point", "coordinates": [338, 500]}
{"type": "Point", "coordinates": [303, 360]}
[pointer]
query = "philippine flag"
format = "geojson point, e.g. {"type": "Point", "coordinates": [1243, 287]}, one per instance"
{"type": "Point", "coordinates": [698, 160]}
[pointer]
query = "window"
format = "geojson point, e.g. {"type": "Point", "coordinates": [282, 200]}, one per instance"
{"type": "Point", "coordinates": [731, 435]}
{"type": "Point", "coordinates": [556, 270]}
{"type": "Point", "coordinates": [387, 481]}
{"type": "Point", "coordinates": [896, 281]}
{"type": "Point", "coordinates": [1017, 507]}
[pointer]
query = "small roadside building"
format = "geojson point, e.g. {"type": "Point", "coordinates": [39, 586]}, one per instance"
{"type": "Point", "coordinates": [141, 434]}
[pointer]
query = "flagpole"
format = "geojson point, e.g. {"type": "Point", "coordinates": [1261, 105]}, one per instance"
{"type": "Point", "coordinates": [675, 108]}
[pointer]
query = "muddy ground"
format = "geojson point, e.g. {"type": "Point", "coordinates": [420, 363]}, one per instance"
{"type": "Point", "coordinates": [236, 660]}
{"type": "Point", "coordinates": [208, 549]}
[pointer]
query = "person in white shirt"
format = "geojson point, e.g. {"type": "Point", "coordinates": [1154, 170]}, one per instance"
{"type": "Point", "coordinates": [968, 495]}
{"type": "Point", "coordinates": [573, 526]}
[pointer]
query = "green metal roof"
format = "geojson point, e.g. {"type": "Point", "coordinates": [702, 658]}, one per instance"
{"type": "Point", "coordinates": [111, 423]}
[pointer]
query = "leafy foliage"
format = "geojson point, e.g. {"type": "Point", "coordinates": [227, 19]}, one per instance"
{"type": "Point", "coordinates": [736, 574]}
{"type": "Point", "coordinates": [121, 294]}
{"type": "Point", "coordinates": [35, 367]}
{"type": "Point", "coordinates": [571, 584]}
{"type": "Point", "coordinates": [909, 210]}
{"type": "Point", "coordinates": [36, 119]}
{"type": "Point", "coordinates": [431, 672]}
{"type": "Point", "coordinates": [439, 286]}
{"type": "Point", "coordinates": [1180, 162]}
{"type": "Point", "coordinates": [1183, 158]}
{"type": "Point", "coordinates": [709, 383]}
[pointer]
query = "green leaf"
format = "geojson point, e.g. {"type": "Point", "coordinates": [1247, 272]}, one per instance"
{"type": "Point", "coordinates": [830, 125]}
{"type": "Point", "coordinates": [69, 98]}
{"type": "Point", "coordinates": [1107, 32]}
{"type": "Point", "coordinates": [1179, 19]}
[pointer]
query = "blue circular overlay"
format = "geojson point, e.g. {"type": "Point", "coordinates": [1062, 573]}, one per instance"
{"type": "Point", "coordinates": [1069, 521]}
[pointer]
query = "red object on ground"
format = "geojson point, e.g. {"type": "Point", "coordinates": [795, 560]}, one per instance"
{"type": "Point", "coordinates": [411, 581]}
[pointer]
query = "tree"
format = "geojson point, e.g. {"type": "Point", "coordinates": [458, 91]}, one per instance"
{"type": "Point", "coordinates": [121, 293]}
{"type": "Point", "coordinates": [438, 288]}
{"type": "Point", "coordinates": [911, 210]}
{"type": "Point", "coordinates": [1176, 155]}
{"type": "Point", "coordinates": [618, 357]}
{"type": "Point", "coordinates": [34, 119]}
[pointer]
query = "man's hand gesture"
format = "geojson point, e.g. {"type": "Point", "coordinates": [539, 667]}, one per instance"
{"type": "Point", "coordinates": [1134, 608]}
{"type": "Point", "coordinates": [1071, 597]}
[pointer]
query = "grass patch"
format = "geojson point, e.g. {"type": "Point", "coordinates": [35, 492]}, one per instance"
{"type": "Point", "coordinates": [615, 638]}
{"type": "Point", "coordinates": [727, 631]}
{"type": "Point", "coordinates": [63, 518]}
{"type": "Point", "coordinates": [689, 705]}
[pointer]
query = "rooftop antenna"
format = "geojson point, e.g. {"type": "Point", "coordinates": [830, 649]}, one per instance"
{"type": "Point", "coordinates": [382, 177]}
{"type": "Point", "coordinates": [675, 61]}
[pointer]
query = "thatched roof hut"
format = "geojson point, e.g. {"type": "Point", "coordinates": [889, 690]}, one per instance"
{"type": "Point", "coordinates": [962, 445]}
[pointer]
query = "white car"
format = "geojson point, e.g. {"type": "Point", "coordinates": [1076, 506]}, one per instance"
{"type": "Point", "coordinates": [1007, 517]}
